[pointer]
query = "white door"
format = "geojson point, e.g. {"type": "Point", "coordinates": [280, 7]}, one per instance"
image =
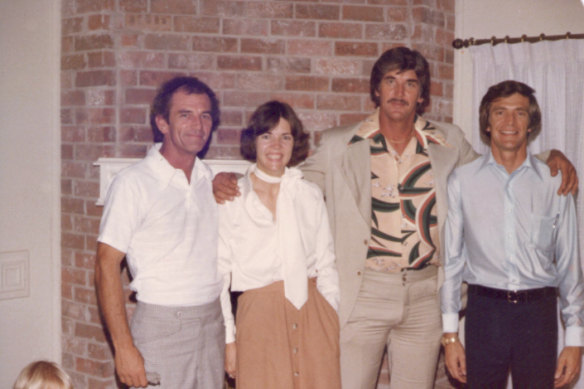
{"type": "Point", "coordinates": [29, 184]}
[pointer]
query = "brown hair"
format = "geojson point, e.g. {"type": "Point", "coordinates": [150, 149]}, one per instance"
{"type": "Point", "coordinates": [264, 119]}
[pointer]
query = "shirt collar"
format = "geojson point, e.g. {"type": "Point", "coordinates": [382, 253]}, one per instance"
{"type": "Point", "coordinates": [165, 170]}
{"type": "Point", "coordinates": [424, 131]}
{"type": "Point", "coordinates": [530, 162]}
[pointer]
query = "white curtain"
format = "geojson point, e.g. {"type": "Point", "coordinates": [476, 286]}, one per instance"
{"type": "Point", "coordinates": [555, 69]}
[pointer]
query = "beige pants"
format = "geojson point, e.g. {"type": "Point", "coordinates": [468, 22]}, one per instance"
{"type": "Point", "coordinates": [281, 347]}
{"type": "Point", "coordinates": [401, 311]}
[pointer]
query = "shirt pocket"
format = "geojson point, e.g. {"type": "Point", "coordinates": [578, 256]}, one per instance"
{"type": "Point", "coordinates": [543, 231]}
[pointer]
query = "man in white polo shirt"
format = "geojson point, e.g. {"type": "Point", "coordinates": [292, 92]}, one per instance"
{"type": "Point", "coordinates": [161, 216]}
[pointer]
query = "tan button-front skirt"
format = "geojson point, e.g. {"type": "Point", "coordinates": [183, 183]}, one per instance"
{"type": "Point", "coordinates": [281, 347]}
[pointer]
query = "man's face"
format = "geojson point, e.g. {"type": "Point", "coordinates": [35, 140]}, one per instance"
{"type": "Point", "coordinates": [189, 124]}
{"type": "Point", "coordinates": [399, 92]}
{"type": "Point", "coordinates": [508, 122]}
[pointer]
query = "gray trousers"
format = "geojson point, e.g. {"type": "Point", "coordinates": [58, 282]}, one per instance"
{"type": "Point", "coordinates": [184, 345]}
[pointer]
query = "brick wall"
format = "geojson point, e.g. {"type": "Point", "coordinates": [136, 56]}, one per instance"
{"type": "Point", "coordinates": [314, 54]}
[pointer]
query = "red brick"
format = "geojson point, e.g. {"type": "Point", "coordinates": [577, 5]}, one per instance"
{"type": "Point", "coordinates": [338, 102]}
{"type": "Point", "coordinates": [356, 49]}
{"type": "Point", "coordinates": [72, 98]}
{"type": "Point", "coordinates": [95, 78]}
{"type": "Point", "coordinates": [67, 44]}
{"type": "Point", "coordinates": [436, 89]}
{"type": "Point", "coordinates": [262, 46]}
{"type": "Point", "coordinates": [228, 152]}
{"type": "Point", "coordinates": [363, 13]}
{"type": "Point", "coordinates": [133, 151]}
{"type": "Point", "coordinates": [73, 276]}
{"type": "Point", "coordinates": [66, 116]}
{"type": "Point", "coordinates": [101, 352]}
{"type": "Point", "coordinates": [307, 83]}
{"type": "Point", "coordinates": [155, 78]}
{"type": "Point", "coordinates": [72, 241]}
{"type": "Point", "coordinates": [350, 118]}
{"type": "Point", "coordinates": [84, 260]}
{"type": "Point", "coordinates": [148, 22]}
{"type": "Point", "coordinates": [338, 66]}
{"type": "Point", "coordinates": [340, 30]}
{"type": "Point", "coordinates": [133, 5]}
{"type": "Point", "coordinates": [66, 189]}
{"type": "Point", "coordinates": [66, 293]}
{"type": "Point", "coordinates": [429, 16]}
{"type": "Point", "coordinates": [84, 295]}
{"type": "Point", "coordinates": [86, 189]}
{"type": "Point", "coordinates": [290, 28]}
{"type": "Point", "coordinates": [190, 61]}
{"type": "Point", "coordinates": [98, 97]}
{"type": "Point", "coordinates": [71, 25]}
{"type": "Point", "coordinates": [295, 99]}
{"type": "Point", "coordinates": [66, 152]}
{"type": "Point", "coordinates": [223, 8]}
{"type": "Point", "coordinates": [139, 96]}
{"type": "Point", "coordinates": [423, 33]}
{"type": "Point", "coordinates": [101, 59]}
{"type": "Point", "coordinates": [173, 6]}
{"type": "Point", "coordinates": [227, 136]}
{"type": "Point", "coordinates": [71, 205]}
{"type": "Point", "coordinates": [95, 116]}
{"type": "Point", "coordinates": [268, 9]}
{"type": "Point", "coordinates": [133, 115]}
{"type": "Point", "coordinates": [239, 63]}
{"type": "Point", "coordinates": [73, 169]}
{"type": "Point", "coordinates": [86, 6]}
{"type": "Point", "coordinates": [255, 81]}
{"type": "Point", "coordinates": [320, 11]}
{"type": "Point", "coordinates": [245, 27]}
{"type": "Point", "coordinates": [98, 22]}
{"type": "Point", "coordinates": [129, 40]}
{"type": "Point", "coordinates": [231, 118]}
{"type": "Point", "coordinates": [141, 59]}
{"type": "Point", "coordinates": [100, 369]}
{"type": "Point", "coordinates": [397, 14]}
{"type": "Point", "coordinates": [309, 47]}
{"type": "Point", "coordinates": [446, 5]}
{"type": "Point", "coordinates": [386, 31]}
{"type": "Point", "coordinates": [101, 134]}
{"type": "Point", "coordinates": [288, 65]}
{"type": "Point", "coordinates": [196, 24]}
{"type": "Point", "coordinates": [91, 152]}
{"type": "Point", "coordinates": [444, 37]}
{"type": "Point", "coordinates": [244, 99]}
{"type": "Point", "coordinates": [128, 77]}
{"type": "Point", "coordinates": [94, 42]}
{"type": "Point", "coordinates": [165, 42]}
{"type": "Point", "coordinates": [350, 85]}
{"type": "Point", "coordinates": [315, 121]}
{"type": "Point", "coordinates": [215, 44]}
{"type": "Point", "coordinates": [138, 133]}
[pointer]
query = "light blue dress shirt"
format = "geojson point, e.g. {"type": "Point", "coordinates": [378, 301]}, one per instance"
{"type": "Point", "coordinates": [514, 232]}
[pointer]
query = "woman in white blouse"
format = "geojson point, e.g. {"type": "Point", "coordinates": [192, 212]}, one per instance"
{"type": "Point", "coordinates": [275, 246]}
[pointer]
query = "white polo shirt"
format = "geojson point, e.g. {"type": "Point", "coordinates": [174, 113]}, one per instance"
{"type": "Point", "coordinates": [168, 230]}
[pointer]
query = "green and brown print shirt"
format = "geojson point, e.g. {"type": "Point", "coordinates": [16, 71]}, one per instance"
{"type": "Point", "coordinates": [404, 227]}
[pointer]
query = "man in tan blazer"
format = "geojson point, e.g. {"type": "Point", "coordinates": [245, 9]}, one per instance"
{"type": "Point", "coordinates": [384, 180]}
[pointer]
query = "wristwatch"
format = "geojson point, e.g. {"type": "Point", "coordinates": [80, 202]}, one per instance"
{"type": "Point", "coordinates": [448, 339]}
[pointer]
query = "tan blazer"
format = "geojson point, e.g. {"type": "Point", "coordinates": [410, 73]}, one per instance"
{"type": "Point", "coordinates": [343, 172]}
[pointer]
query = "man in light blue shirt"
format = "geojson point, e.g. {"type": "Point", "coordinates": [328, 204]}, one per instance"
{"type": "Point", "coordinates": [514, 241]}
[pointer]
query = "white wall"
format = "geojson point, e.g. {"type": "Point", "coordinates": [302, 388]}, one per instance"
{"type": "Point", "coordinates": [29, 184]}
{"type": "Point", "coordinates": [482, 19]}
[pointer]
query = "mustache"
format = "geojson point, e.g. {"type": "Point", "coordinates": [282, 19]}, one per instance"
{"type": "Point", "coordinates": [400, 101]}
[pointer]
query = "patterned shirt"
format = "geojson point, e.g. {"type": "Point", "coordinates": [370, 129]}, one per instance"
{"type": "Point", "coordinates": [404, 227]}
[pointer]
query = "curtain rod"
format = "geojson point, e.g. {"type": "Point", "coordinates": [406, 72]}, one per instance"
{"type": "Point", "coordinates": [459, 43]}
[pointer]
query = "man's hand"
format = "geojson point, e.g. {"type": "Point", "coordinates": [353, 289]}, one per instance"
{"type": "Point", "coordinates": [455, 360]}
{"type": "Point", "coordinates": [225, 187]}
{"type": "Point", "coordinates": [130, 367]}
{"type": "Point", "coordinates": [230, 359]}
{"type": "Point", "coordinates": [558, 161]}
{"type": "Point", "coordinates": [568, 368]}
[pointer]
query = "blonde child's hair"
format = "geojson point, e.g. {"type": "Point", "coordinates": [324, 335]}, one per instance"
{"type": "Point", "coordinates": [43, 375]}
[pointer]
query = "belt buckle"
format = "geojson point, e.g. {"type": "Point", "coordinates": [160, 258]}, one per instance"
{"type": "Point", "coordinates": [512, 297]}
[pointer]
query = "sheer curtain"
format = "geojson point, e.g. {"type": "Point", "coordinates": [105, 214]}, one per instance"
{"type": "Point", "coordinates": [555, 69]}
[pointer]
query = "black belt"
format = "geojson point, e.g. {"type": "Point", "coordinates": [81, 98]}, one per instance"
{"type": "Point", "coordinates": [513, 296]}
